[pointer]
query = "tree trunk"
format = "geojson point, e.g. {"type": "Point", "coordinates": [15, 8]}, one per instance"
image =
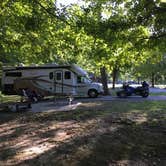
{"type": "Point", "coordinates": [138, 80]}
{"type": "Point", "coordinates": [114, 75]}
{"type": "Point", "coordinates": [153, 79]}
{"type": "Point", "coordinates": [104, 80]}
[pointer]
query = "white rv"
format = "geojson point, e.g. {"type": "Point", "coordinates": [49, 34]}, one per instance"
{"type": "Point", "coordinates": [49, 80]}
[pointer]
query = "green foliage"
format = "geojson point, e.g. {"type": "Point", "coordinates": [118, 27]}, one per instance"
{"type": "Point", "coordinates": [155, 65]}
{"type": "Point", "coordinates": [114, 34]}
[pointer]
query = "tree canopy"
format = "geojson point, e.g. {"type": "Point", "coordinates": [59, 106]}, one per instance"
{"type": "Point", "coordinates": [96, 33]}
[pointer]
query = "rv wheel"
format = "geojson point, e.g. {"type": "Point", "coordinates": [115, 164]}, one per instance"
{"type": "Point", "coordinates": [92, 93]}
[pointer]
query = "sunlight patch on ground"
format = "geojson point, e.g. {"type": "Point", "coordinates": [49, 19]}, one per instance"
{"type": "Point", "coordinates": [32, 140]}
{"type": "Point", "coordinates": [127, 163]}
{"type": "Point", "coordinates": [52, 107]}
{"type": "Point", "coordinates": [5, 133]}
{"type": "Point", "coordinates": [33, 151]}
{"type": "Point", "coordinates": [91, 105]}
{"type": "Point", "coordinates": [111, 129]}
{"type": "Point", "coordinates": [137, 118]}
{"type": "Point", "coordinates": [10, 126]}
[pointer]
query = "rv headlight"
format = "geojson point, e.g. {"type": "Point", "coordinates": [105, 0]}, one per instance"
{"type": "Point", "coordinates": [100, 87]}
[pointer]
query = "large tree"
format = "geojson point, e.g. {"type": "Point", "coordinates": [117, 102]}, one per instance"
{"type": "Point", "coordinates": [101, 34]}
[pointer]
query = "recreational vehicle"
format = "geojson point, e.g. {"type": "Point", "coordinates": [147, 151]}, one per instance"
{"type": "Point", "coordinates": [49, 80]}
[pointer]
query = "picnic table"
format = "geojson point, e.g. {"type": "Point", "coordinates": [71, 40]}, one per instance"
{"type": "Point", "coordinates": [23, 104]}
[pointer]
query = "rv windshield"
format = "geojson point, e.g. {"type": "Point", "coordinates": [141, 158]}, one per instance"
{"type": "Point", "coordinates": [84, 79]}
{"type": "Point", "coordinates": [87, 79]}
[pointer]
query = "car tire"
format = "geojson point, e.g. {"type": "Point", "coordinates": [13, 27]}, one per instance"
{"type": "Point", "coordinates": [146, 94]}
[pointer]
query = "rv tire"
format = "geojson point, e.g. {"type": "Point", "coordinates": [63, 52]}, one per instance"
{"type": "Point", "coordinates": [92, 93]}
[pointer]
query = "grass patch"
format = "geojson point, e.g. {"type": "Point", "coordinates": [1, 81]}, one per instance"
{"type": "Point", "coordinates": [9, 98]}
{"type": "Point", "coordinates": [157, 93]}
{"type": "Point", "coordinates": [97, 133]}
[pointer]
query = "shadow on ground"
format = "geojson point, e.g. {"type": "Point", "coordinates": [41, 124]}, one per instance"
{"type": "Point", "coordinates": [101, 133]}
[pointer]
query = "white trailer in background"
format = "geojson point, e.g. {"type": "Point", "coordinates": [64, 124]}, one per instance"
{"type": "Point", "coordinates": [49, 80]}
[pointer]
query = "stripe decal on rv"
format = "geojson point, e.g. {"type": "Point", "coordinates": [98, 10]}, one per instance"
{"type": "Point", "coordinates": [38, 79]}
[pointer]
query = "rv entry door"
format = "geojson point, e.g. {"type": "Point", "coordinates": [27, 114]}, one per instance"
{"type": "Point", "coordinates": [58, 82]}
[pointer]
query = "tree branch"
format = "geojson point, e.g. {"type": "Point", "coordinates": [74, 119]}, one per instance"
{"type": "Point", "coordinates": [50, 13]}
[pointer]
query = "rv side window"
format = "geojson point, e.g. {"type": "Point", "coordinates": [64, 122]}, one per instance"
{"type": "Point", "coordinates": [13, 74]}
{"type": "Point", "coordinates": [67, 75]}
{"type": "Point", "coordinates": [51, 75]}
{"type": "Point", "coordinates": [80, 79]}
{"type": "Point", "coordinates": [58, 76]}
